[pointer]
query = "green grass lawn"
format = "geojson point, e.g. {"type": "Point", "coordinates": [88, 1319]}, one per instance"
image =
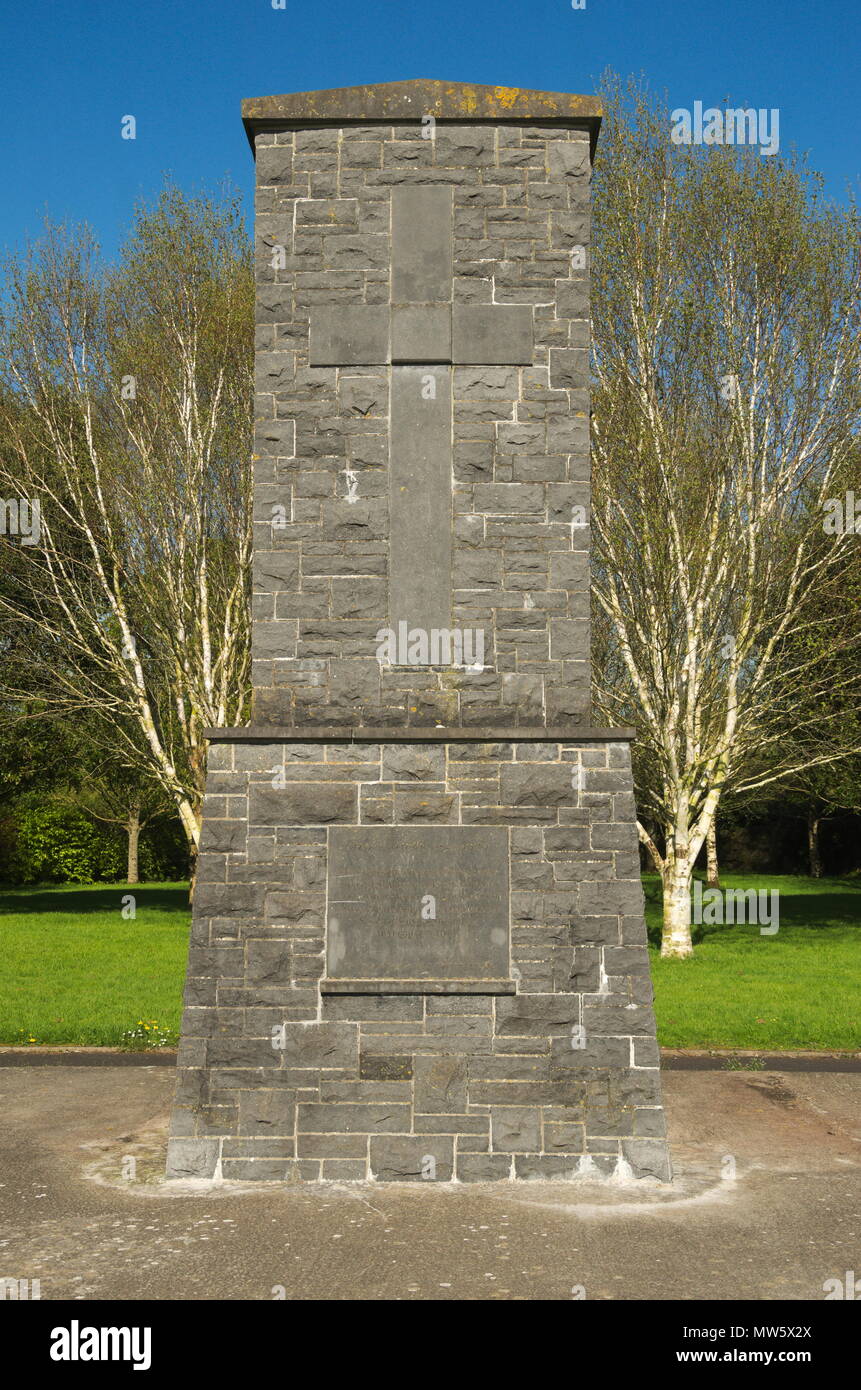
{"type": "Point", "coordinates": [798, 989]}
{"type": "Point", "coordinates": [74, 971]}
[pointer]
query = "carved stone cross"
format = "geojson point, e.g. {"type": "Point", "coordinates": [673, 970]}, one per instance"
{"type": "Point", "coordinates": [421, 335]}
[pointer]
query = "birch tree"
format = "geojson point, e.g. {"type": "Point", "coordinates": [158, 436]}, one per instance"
{"type": "Point", "coordinates": [125, 412]}
{"type": "Point", "coordinates": [726, 403]}
{"type": "Point", "coordinates": [815, 789]}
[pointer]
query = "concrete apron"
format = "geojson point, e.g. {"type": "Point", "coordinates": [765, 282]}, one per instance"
{"type": "Point", "coordinates": [765, 1206]}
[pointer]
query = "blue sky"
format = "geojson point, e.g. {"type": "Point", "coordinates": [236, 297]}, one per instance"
{"type": "Point", "coordinates": [70, 71]}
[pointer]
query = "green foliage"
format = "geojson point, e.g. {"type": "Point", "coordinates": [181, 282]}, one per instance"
{"type": "Point", "coordinates": [52, 841]}
{"type": "Point", "coordinates": [58, 844]}
{"type": "Point", "coordinates": [35, 751]}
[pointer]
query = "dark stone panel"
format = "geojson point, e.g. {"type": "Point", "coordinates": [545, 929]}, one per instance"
{"type": "Point", "coordinates": [421, 244]}
{"type": "Point", "coordinates": [349, 334]}
{"type": "Point", "coordinates": [421, 333]}
{"type": "Point", "coordinates": [492, 333]}
{"type": "Point", "coordinates": [382, 879]}
{"type": "Point", "coordinates": [420, 500]}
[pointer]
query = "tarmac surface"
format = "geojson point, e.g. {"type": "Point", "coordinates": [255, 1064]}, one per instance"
{"type": "Point", "coordinates": [766, 1205]}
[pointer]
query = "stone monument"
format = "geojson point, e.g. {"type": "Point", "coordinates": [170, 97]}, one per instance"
{"type": "Point", "coordinates": [418, 949]}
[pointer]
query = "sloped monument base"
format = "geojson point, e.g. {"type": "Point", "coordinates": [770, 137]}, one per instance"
{"type": "Point", "coordinates": [527, 1049]}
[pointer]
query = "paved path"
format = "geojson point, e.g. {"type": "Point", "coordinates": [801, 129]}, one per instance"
{"type": "Point", "coordinates": [790, 1219]}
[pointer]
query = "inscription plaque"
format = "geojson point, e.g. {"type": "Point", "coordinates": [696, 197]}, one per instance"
{"type": "Point", "coordinates": [418, 904]}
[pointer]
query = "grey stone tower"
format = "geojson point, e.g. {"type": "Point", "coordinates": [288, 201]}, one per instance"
{"type": "Point", "coordinates": [418, 948]}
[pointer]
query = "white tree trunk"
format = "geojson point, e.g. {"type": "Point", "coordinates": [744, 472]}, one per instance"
{"type": "Point", "coordinates": [713, 867]}
{"type": "Point", "coordinates": [133, 830]}
{"type": "Point", "coordinates": [676, 938]}
{"type": "Point", "coordinates": [813, 848]}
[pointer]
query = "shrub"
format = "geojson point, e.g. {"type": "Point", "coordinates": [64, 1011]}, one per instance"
{"type": "Point", "coordinates": [51, 841]}
{"type": "Point", "coordinates": [54, 843]}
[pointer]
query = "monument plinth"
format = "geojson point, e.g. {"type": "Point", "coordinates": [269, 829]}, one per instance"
{"type": "Point", "coordinates": [418, 948]}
